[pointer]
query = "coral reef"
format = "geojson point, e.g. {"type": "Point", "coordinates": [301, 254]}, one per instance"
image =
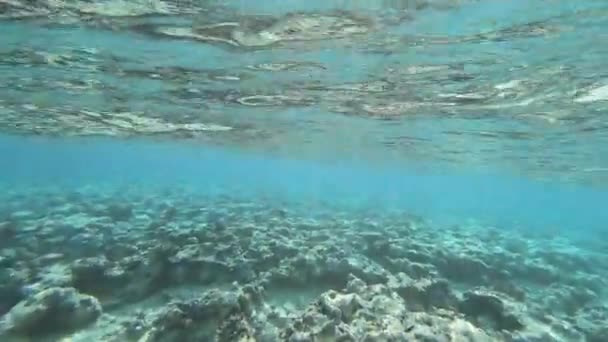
{"type": "Point", "coordinates": [182, 267]}
{"type": "Point", "coordinates": [50, 310]}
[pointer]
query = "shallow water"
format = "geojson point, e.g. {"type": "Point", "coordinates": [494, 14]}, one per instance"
{"type": "Point", "coordinates": [303, 170]}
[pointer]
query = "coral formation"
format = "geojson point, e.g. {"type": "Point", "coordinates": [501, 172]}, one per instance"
{"type": "Point", "coordinates": [251, 272]}
{"type": "Point", "coordinates": [51, 310]}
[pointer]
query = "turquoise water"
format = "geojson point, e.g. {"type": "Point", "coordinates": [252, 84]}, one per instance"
{"type": "Point", "coordinates": [303, 171]}
{"type": "Point", "coordinates": [434, 191]}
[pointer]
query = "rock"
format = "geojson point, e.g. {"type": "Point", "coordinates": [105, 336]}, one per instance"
{"type": "Point", "coordinates": [480, 303]}
{"type": "Point", "coordinates": [464, 269]}
{"type": "Point", "coordinates": [537, 272]}
{"type": "Point", "coordinates": [5, 261]}
{"type": "Point", "coordinates": [235, 328]}
{"type": "Point", "coordinates": [133, 328]}
{"type": "Point", "coordinates": [133, 278]}
{"type": "Point", "coordinates": [342, 306]}
{"type": "Point", "coordinates": [169, 214]}
{"type": "Point", "coordinates": [592, 322]}
{"type": "Point", "coordinates": [52, 310]}
{"type": "Point", "coordinates": [444, 325]}
{"type": "Point", "coordinates": [56, 275]}
{"type": "Point", "coordinates": [599, 334]}
{"type": "Point", "coordinates": [426, 294]}
{"type": "Point", "coordinates": [190, 321]}
{"type": "Point", "coordinates": [569, 299]}
{"type": "Point", "coordinates": [375, 313]}
{"type": "Point", "coordinates": [355, 285]}
{"type": "Point", "coordinates": [8, 230]}
{"type": "Point", "coordinates": [11, 286]}
{"type": "Point", "coordinates": [120, 212]}
{"type": "Point", "coordinates": [8, 257]}
{"type": "Point", "coordinates": [89, 274]}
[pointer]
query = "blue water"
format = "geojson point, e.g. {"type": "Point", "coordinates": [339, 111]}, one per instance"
{"type": "Point", "coordinates": [492, 197]}
{"type": "Point", "coordinates": [176, 149]}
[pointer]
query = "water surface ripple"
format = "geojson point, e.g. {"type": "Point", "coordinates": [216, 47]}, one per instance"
{"type": "Point", "coordinates": [520, 85]}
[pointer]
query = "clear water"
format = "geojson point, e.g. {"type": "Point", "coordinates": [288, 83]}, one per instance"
{"type": "Point", "coordinates": [287, 144]}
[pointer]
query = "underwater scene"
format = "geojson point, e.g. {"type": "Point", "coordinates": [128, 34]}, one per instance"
{"type": "Point", "coordinates": [303, 170]}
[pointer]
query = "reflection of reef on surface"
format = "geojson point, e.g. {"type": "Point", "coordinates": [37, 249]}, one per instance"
{"type": "Point", "coordinates": [68, 122]}
{"type": "Point", "coordinates": [53, 10]}
{"type": "Point", "coordinates": [264, 31]}
{"type": "Point", "coordinates": [182, 266]}
{"type": "Point", "coordinates": [221, 68]}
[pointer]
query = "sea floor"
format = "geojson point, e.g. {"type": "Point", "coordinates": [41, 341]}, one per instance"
{"type": "Point", "coordinates": [103, 264]}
